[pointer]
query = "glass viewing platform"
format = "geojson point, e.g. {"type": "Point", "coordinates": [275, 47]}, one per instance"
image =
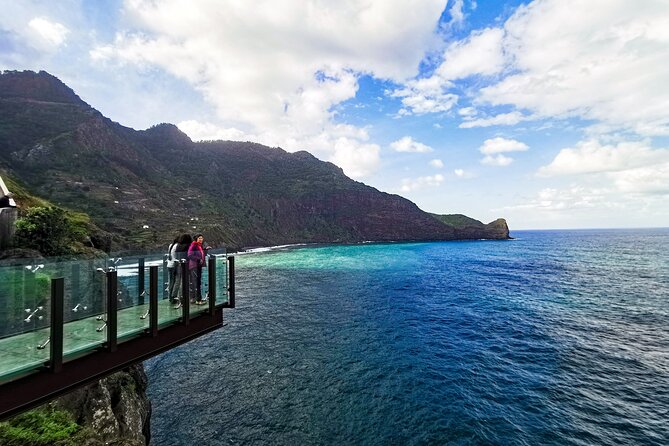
{"type": "Point", "coordinates": [64, 323]}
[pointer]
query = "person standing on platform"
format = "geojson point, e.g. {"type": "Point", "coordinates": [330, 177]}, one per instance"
{"type": "Point", "coordinates": [181, 252]}
{"type": "Point", "coordinates": [172, 269]}
{"type": "Point", "coordinates": [196, 258]}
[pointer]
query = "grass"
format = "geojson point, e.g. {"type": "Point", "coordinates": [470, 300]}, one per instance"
{"type": "Point", "coordinates": [40, 427]}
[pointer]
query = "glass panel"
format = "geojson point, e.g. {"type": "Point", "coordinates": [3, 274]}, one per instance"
{"type": "Point", "coordinates": [221, 279]}
{"type": "Point", "coordinates": [85, 305]}
{"type": "Point", "coordinates": [25, 305]}
{"type": "Point", "coordinates": [133, 294]}
{"type": "Point", "coordinates": [166, 276]}
{"type": "Point", "coordinates": [198, 287]}
{"type": "Point", "coordinates": [169, 309]}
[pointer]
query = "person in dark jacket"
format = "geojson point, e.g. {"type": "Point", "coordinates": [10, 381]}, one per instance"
{"type": "Point", "coordinates": [196, 257]}
{"type": "Point", "coordinates": [181, 252]}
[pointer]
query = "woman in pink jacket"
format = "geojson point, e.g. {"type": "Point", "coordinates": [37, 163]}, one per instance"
{"type": "Point", "coordinates": [196, 258]}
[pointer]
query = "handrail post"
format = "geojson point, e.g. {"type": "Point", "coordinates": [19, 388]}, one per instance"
{"type": "Point", "coordinates": [231, 281]}
{"type": "Point", "coordinates": [212, 284]}
{"type": "Point", "coordinates": [112, 307]}
{"type": "Point", "coordinates": [166, 280]}
{"type": "Point", "coordinates": [153, 300]}
{"type": "Point", "coordinates": [141, 291]}
{"type": "Point", "coordinates": [57, 319]}
{"type": "Point", "coordinates": [185, 294]}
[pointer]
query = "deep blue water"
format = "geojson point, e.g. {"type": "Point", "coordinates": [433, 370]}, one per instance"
{"type": "Point", "coordinates": [555, 338]}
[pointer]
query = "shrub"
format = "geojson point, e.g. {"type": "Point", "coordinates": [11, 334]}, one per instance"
{"type": "Point", "coordinates": [47, 229]}
{"type": "Point", "coordinates": [40, 427]}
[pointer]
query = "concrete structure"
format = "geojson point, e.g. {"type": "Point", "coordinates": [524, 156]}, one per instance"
{"type": "Point", "coordinates": [8, 215]}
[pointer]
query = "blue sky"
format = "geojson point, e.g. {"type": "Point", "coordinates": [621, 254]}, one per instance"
{"type": "Point", "coordinates": [550, 113]}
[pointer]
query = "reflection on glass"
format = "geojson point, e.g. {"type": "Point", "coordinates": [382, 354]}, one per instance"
{"type": "Point", "coordinates": [25, 306]}
{"type": "Point", "coordinates": [85, 305]}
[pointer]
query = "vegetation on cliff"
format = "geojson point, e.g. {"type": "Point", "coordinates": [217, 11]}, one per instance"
{"type": "Point", "coordinates": [45, 426]}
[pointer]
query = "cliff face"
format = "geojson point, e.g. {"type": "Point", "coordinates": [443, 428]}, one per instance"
{"type": "Point", "coordinates": [237, 193]}
{"type": "Point", "coordinates": [115, 410]}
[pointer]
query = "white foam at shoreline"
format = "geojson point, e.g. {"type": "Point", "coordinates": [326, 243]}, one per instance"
{"type": "Point", "coordinates": [269, 248]}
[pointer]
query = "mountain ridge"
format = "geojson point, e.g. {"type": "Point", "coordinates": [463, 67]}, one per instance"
{"type": "Point", "coordinates": [237, 193]}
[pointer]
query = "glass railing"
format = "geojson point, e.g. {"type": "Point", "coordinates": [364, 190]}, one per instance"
{"type": "Point", "coordinates": [25, 304]}
{"type": "Point", "coordinates": [85, 307]}
{"type": "Point", "coordinates": [221, 279]}
{"type": "Point", "coordinates": [25, 308]}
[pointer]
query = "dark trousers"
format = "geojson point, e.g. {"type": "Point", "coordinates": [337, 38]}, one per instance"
{"type": "Point", "coordinates": [172, 284]}
{"type": "Point", "coordinates": [196, 283]}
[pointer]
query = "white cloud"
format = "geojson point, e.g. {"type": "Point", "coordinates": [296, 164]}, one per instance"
{"type": "Point", "coordinates": [52, 33]}
{"type": "Point", "coordinates": [437, 163]}
{"type": "Point", "coordinates": [590, 205]}
{"type": "Point", "coordinates": [602, 60]}
{"type": "Point", "coordinates": [494, 147]}
{"type": "Point", "coordinates": [648, 180]}
{"type": "Point", "coordinates": [457, 16]}
{"type": "Point", "coordinates": [502, 145]}
{"type": "Point", "coordinates": [425, 96]}
{"type": "Point", "coordinates": [572, 198]}
{"type": "Point", "coordinates": [480, 53]}
{"type": "Point", "coordinates": [206, 131]}
{"type": "Point", "coordinates": [467, 112]}
{"type": "Point", "coordinates": [463, 174]}
{"type": "Point", "coordinates": [357, 159]}
{"type": "Point", "coordinates": [407, 144]}
{"type": "Point", "coordinates": [511, 118]}
{"type": "Point", "coordinates": [592, 157]}
{"type": "Point", "coordinates": [278, 72]}
{"type": "Point", "coordinates": [499, 160]}
{"type": "Point", "coordinates": [631, 168]}
{"type": "Point", "coordinates": [414, 184]}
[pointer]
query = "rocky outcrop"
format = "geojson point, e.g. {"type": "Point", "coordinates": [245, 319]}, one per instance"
{"type": "Point", "coordinates": [40, 86]}
{"type": "Point", "coordinates": [467, 228]}
{"type": "Point", "coordinates": [498, 229]}
{"type": "Point", "coordinates": [114, 410]}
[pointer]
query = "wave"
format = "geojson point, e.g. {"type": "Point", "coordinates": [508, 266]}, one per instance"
{"type": "Point", "coordinates": [269, 248]}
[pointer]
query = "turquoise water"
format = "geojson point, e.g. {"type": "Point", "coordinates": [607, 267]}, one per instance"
{"type": "Point", "coordinates": [555, 338]}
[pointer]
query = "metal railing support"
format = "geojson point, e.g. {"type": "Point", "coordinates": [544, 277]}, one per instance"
{"type": "Point", "coordinates": [112, 307]}
{"type": "Point", "coordinates": [141, 291]}
{"type": "Point", "coordinates": [185, 294]}
{"type": "Point", "coordinates": [153, 300]}
{"type": "Point", "coordinates": [57, 319]}
{"type": "Point", "coordinates": [212, 285]}
{"type": "Point", "coordinates": [166, 280]}
{"type": "Point", "coordinates": [231, 282]}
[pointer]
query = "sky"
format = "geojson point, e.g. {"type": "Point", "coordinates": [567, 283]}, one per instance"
{"type": "Point", "coordinates": [549, 113]}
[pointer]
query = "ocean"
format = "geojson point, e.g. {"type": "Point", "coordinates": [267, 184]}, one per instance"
{"type": "Point", "coordinates": [554, 338]}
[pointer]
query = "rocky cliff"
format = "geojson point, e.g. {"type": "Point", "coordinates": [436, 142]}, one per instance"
{"type": "Point", "coordinates": [113, 411]}
{"type": "Point", "coordinates": [145, 186]}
